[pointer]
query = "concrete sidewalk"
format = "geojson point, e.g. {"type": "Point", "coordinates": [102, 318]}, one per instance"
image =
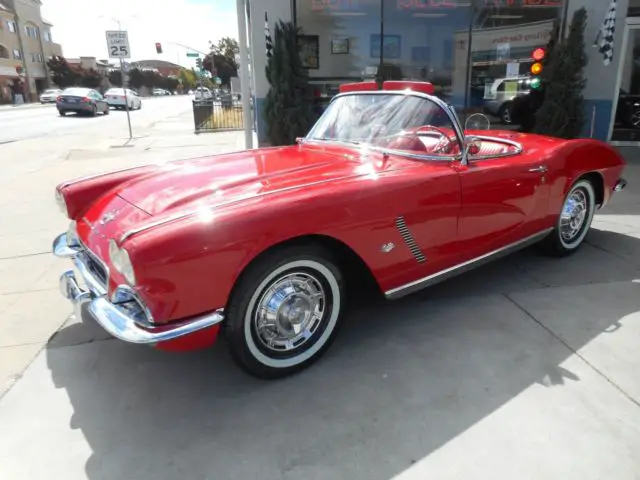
{"type": "Point", "coordinates": [30, 220]}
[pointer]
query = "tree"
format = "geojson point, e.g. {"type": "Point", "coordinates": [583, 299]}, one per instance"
{"type": "Point", "coordinates": [524, 107]}
{"type": "Point", "coordinates": [221, 61]}
{"type": "Point", "coordinates": [562, 111]}
{"type": "Point", "coordinates": [188, 78]}
{"type": "Point", "coordinates": [136, 79]}
{"type": "Point", "coordinates": [62, 74]}
{"type": "Point", "coordinates": [288, 106]}
{"type": "Point", "coordinates": [115, 78]}
{"type": "Point", "coordinates": [90, 78]}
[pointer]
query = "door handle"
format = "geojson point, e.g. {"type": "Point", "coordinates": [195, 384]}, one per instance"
{"type": "Point", "coordinates": [540, 169]}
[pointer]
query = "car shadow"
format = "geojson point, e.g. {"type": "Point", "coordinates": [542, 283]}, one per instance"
{"type": "Point", "coordinates": [402, 379]}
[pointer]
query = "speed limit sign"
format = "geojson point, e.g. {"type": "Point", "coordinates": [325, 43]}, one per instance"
{"type": "Point", "coordinates": [118, 44]}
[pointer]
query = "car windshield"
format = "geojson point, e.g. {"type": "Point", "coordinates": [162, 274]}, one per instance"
{"type": "Point", "coordinates": [51, 90]}
{"type": "Point", "coordinates": [374, 119]}
{"type": "Point", "coordinates": [115, 91]}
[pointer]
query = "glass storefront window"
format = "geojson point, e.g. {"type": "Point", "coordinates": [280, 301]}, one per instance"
{"type": "Point", "coordinates": [476, 53]}
{"type": "Point", "coordinates": [420, 43]}
{"type": "Point", "coordinates": [505, 34]}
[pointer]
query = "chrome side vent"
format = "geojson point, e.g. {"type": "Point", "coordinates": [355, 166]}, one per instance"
{"type": "Point", "coordinates": [401, 225]}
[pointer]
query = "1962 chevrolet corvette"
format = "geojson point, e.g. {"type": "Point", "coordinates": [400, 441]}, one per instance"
{"type": "Point", "coordinates": [259, 244]}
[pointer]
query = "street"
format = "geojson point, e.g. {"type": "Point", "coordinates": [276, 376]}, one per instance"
{"type": "Point", "coordinates": [43, 120]}
{"type": "Point", "coordinates": [524, 368]}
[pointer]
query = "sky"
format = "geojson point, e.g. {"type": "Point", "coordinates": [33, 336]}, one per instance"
{"type": "Point", "coordinates": [80, 25]}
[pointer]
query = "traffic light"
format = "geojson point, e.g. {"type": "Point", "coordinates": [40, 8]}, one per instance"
{"type": "Point", "coordinates": [158, 47]}
{"type": "Point", "coordinates": [199, 63]}
{"type": "Point", "coordinates": [537, 66]}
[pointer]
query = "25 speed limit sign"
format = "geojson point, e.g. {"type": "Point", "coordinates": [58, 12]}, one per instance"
{"type": "Point", "coordinates": [118, 44]}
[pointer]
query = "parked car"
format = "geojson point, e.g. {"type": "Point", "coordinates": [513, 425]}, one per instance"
{"type": "Point", "coordinates": [81, 101]}
{"type": "Point", "coordinates": [115, 97]}
{"type": "Point", "coordinates": [50, 95]}
{"type": "Point", "coordinates": [266, 245]}
{"type": "Point", "coordinates": [160, 92]}
{"type": "Point", "coordinates": [203, 93]}
{"type": "Point", "coordinates": [499, 99]}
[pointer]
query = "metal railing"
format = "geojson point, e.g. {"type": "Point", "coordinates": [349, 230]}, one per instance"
{"type": "Point", "coordinates": [218, 114]}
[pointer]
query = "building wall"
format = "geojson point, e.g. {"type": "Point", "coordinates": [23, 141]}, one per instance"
{"type": "Point", "coordinates": [600, 92]}
{"type": "Point", "coordinates": [10, 41]}
{"type": "Point", "coordinates": [35, 44]}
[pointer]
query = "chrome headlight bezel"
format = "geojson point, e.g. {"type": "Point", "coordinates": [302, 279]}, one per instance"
{"type": "Point", "coordinates": [121, 262]}
{"type": "Point", "coordinates": [72, 235]}
{"type": "Point", "coordinates": [61, 201]}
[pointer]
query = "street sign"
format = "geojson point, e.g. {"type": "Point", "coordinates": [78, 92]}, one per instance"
{"type": "Point", "coordinates": [118, 44]}
{"type": "Point", "coordinates": [193, 54]}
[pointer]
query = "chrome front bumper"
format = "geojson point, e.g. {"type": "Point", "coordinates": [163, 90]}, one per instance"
{"type": "Point", "coordinates": [111, 316]}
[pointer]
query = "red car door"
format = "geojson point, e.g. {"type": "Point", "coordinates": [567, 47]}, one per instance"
{"type": "Point", "coordinates": [504, 200]}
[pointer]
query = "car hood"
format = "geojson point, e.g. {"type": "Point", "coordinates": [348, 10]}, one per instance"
{"type": "Point", "coordinates": [221, 179]}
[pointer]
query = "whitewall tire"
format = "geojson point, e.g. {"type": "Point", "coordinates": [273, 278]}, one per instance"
{"type": "Point", "coordinates": [285, 311]}
{"type": "Point", "coordinates": [574, 220]}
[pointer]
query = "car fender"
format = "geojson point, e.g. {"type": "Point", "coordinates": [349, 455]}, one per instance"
{"type": "Point", "coordinates": [576, 158]}
{"type": "Point", "coordinates": [191, 265]}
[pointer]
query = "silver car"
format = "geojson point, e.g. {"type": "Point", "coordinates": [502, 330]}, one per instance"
{"type": "Point", "coordinates": [500, 95]}
{"type": "Point", "coordinates": [81, 101]}
{"type": "Point", "coordinates": [50, 95]}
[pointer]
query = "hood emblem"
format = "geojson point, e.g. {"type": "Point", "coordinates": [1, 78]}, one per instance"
{"type": "Point", "coordinates": [107, 217]}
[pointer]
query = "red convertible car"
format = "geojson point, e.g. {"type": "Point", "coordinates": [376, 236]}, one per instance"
{"type": "Point", "coordinates": [265, 245]}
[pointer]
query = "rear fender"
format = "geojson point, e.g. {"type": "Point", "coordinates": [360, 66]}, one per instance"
{"type": "Point", "coordinates": [580, 157]}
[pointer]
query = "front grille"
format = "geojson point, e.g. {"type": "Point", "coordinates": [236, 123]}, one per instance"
{"type": "Point", "coordinates": [96, 268]}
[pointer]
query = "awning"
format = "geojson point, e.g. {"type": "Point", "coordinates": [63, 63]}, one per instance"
{"type": "Point", "coordinates": [8, 72]}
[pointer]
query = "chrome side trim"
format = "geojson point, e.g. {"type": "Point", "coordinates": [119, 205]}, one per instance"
{"type": "Point", "coordinates": [463, 267]}
{"type": "Point", "coordinates": [406, 235]}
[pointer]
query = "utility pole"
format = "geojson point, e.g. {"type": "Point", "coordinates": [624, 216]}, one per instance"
{"type": "Point", "coordinates": [244, 74]}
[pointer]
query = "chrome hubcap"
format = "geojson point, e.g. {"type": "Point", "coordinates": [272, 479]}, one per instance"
{"type": "Point", "coordinates": [574, 214]}
{"type": "Point", "coordinates": [290, 311]}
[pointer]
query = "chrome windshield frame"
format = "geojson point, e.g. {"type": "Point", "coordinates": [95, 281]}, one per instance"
{"type": "Point", "coordinates": [448, 110]}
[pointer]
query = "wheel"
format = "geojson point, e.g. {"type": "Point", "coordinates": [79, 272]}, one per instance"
{"type": "Point", "coordinates": [285, 311]}
{"type": "Point", "coordinates": [107, 111]}
{"type": "Point", "coordinates": [94, 111]}
{"type": "Point", "coordinates": [574, 221]}
{"type": "Point", "coordinates": [62, 113]}
{"type": "Point", "coordinates": [505, 113]}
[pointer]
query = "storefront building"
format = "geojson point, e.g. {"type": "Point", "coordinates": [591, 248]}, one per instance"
{"type": "Point", "coordinates": [477, 53]}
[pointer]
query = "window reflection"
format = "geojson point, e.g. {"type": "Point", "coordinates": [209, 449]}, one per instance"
{"type": "Point", "coordinates": [505, 34]}
{"type": "Point", "coordinates": [476, 53]}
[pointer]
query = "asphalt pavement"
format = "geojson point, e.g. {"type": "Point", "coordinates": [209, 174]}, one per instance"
{"type": "Point", "coordinates": [526, 368]}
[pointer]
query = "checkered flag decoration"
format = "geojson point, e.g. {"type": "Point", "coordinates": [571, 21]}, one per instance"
{"type": "Point", "coordinates": [605, 39]}
{"type": "Point", "coordinates": [267, 35]}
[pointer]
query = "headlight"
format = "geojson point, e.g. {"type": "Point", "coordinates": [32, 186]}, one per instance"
{"type": "Point", "coordinates": [61, 202]}
{"type": "Point", "coordinates": [121, 262]}
{"type": "Point", "coordinates": [72, 235]}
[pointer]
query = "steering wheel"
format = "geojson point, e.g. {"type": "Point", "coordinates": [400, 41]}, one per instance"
{"type": "Point", "coordinates": [441, 146]}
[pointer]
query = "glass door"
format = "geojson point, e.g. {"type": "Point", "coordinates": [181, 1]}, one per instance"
{"type": "Point", "coordinates": [626, 120]}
